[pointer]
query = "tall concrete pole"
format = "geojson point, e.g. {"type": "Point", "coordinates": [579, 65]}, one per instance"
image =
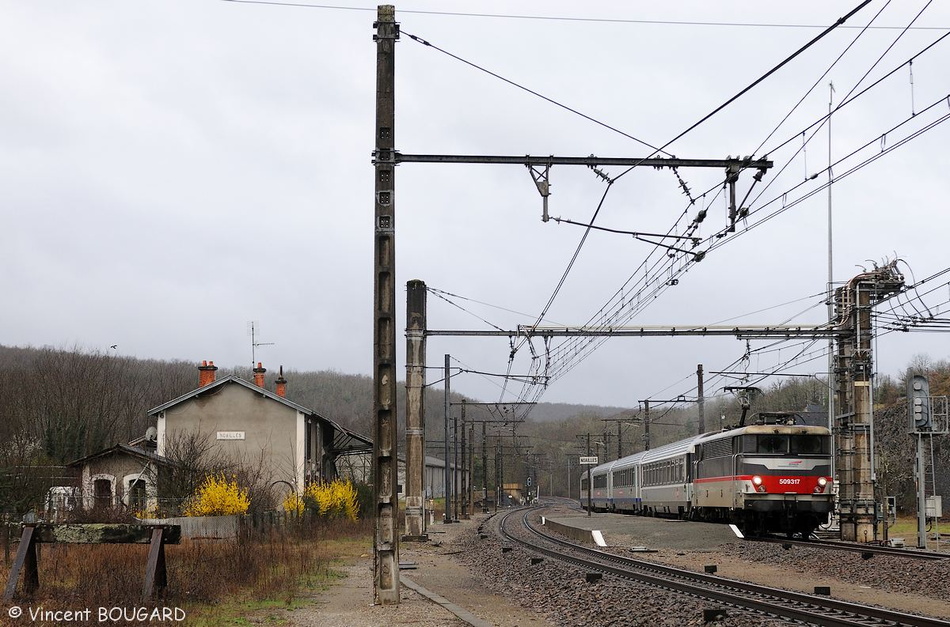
{"type": "Point", "coordinates": [471, 468]}
{"type": "Point", "coordinates": [831, 303]}
{"type": "Point", "coordinates": [455, 468]}
{"type": "Point", "coordinates": [700, 400]}
{"type": "Point", "coordinates": [415, 410]}
{"type": "Point", "coordinates": [590, 481]}
{"type": "Point", "coordinates": [619, 440]}
{"type": "Point", "coordinates": [484, 464]}
{"type": "Point", "coordinates": [463, 466]}
{"type": "Point", "coordinates": [497, 472]}
{"type": "Point", "coordinates": [447, 516]}
{"type": "Point", "coordinates": [385, 446]}
{"type": "Point", "coordinates": [646, 425]}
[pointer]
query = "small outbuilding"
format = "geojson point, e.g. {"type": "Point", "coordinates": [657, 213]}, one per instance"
{"type": "Point", "coordinates": [122, 475]}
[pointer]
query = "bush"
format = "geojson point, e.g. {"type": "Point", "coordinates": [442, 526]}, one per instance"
{"type": "Point", "coordinates": [217, 496]}
{"type": "Point", "coordinates": [366, 500]}
{"type": "Point", "coordinates": [336, 499]}
{"type": "Point", "coordinates": [294, 504]}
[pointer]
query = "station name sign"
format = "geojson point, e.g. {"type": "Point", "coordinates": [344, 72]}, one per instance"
{"type": "Point", "coordinates": [589, 460]}
{"type": "Point", "coordinates": [230, 435]}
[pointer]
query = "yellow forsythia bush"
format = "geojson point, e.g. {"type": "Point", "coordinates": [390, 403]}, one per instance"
{"type": "Point", "coordinates": [294, 504]}
{"type": "Point", "coordinates": [217, 496]}
{"type": "Point", "coordinates": [335, 499]}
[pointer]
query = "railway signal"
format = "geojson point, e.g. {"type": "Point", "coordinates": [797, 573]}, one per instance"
{"type": "Point", "coordinates": [918, 397]}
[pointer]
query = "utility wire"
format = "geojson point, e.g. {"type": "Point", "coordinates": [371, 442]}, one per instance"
{"type": "Point", "coordinates": [564, 18]}
{"type": "Point", "coordinates": [738, 95]}
{"type": "Point", "coordinates": [533, 93]}
{"type": "Point", "coordinates": [844, 100]}
{"type": "Point", "coordinates": [822, 77]}
{"type": "Point", "coordinates": [656, 150]}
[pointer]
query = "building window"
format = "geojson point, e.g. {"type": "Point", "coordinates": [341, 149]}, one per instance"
{"type": "Point", "coordinates": [137, 495]}
{"type": "Point", "coordinates": [102, 491]}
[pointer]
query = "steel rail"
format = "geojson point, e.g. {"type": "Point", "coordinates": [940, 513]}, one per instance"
{"type": "Point", "coordinates": [857, 548]}
{"type": "Point", "coordinates": [770, 601]}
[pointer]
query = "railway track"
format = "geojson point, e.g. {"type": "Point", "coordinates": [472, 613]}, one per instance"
{"type": "Point", "coordinates": [771, 602]}
{"type": "Point", "coordinates": [867, 551]}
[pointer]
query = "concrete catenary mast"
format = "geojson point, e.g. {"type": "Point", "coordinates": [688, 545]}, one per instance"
{"type": "Point", "coordinates": [385, 446]}
{"type": "Point", "coordinates": [854, 423]}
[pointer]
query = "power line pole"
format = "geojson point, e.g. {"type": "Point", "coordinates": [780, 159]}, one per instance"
{"type": "Point", "coordinates": [471, 468]}
{"type": "Point", "coordinates": [455, 467]}
{"type": "Point", "coordinates": [646, 425]}
{"type": "Point", "coordinates": [646, 415]}
{"type": "Point", "coordinates": [447, 515]}
{"type": "Point", "coordinates": [700, 400]}
{"type": "Point", "coordinates": [499, 472]}
{"type": "Point", "coordinates": [385, 446]}
{"type": "Point", "coordinates": [620, 422]}
{"type": "Point", "coordinates": [590, 483]}
{"type": "Point", "coordinates": [464, 467]}
{"type": "Point", "coordinates": [484, 466]}
{"type": "Point", "coordinates": [415, 410]}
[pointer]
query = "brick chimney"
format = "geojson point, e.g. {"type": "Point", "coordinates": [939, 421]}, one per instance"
{"type": "Point", "coordinates": [281, 383]}
{"type": "Point", "coordinates": [259, 375]}
{"type": "Point", "coordinates": [206, 373]}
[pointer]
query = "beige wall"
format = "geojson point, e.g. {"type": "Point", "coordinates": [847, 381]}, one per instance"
{"type": "Point", "coordinates": [273, 433]}
{"type": "Point", "coordinates": [121, 470]}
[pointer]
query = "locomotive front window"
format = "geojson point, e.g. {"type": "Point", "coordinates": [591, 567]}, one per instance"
{"type": "Point", "coordinates": [772, 444]}
{"type": "Point", "coordinates": [810, 445]}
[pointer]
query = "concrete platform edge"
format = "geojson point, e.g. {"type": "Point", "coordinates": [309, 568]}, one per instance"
{"type": "Point", "coordinates": [574, 533]}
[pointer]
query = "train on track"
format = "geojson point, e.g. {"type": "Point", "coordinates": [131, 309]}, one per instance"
{"type": "Point", "coordinates": [765, 478]}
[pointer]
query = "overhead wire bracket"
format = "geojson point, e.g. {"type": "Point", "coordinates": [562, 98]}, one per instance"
{"type": "Point", "coordinates": [541, 180]}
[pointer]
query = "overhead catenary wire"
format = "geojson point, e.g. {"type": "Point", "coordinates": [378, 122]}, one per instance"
{"type": "Point", "coordinates": [820, 79]}
{"type": "Point", "coordinates": [845, 100]}
{"type": "Point", "coordinates": [560, 284]}
{"type": "Point", "coordinates": [708, 116]}
{"type": "Point", "coordinates": [822, 186]}
{"type": "Point", "coordinates": [804, 356]}
{"type": "Point", "coordinates": [676, 269]}
{"type": "Point", "coordinates": [656, 150]}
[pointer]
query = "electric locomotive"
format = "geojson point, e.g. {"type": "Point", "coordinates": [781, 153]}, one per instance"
{"type": "Point", "coordinates": [766, 477]}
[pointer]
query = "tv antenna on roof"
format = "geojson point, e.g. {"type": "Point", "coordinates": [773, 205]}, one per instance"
{"type": "Point", "coordinates": [253, 329]}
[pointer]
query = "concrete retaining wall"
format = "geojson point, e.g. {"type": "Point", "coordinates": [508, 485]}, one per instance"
{"type": "Point", "coordinates": [574, 533]}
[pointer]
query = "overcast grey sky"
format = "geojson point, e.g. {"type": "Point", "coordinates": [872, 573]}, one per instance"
{"type": "Point", "coordinates": [173, 170]}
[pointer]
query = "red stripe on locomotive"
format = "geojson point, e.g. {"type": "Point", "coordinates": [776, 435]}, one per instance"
{"type": "Point", "coordinates": [775, 484]}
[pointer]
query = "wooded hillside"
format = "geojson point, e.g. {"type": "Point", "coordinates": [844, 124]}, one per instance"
{"type": "Point", "coordinates": [57, 405]}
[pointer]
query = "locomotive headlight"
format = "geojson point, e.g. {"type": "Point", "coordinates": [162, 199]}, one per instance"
{"type": "Point", "coordinates": [757, 480]}
{"type": "Point", "coordinates": [822, 481]}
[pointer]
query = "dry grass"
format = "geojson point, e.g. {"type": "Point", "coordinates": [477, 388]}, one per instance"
{"type": "Point", "coordinates": [214, 581]}
{"type": "Point", "coordinates": [906, 527]}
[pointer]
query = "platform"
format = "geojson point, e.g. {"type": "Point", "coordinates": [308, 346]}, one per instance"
{"type": "Point", "coordinates": [651, 533]}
